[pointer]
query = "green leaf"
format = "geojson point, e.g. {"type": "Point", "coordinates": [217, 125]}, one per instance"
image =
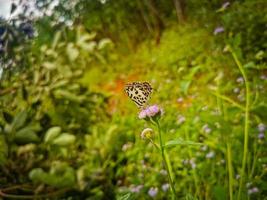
{"type": "Point", "coordinates": [49, 65]}
{"type": "Point", "coordinates": [52, 133]}
{"type": "Point", "coordinates": [68, 95]}
{"type": "Point", "coordinates": [72, 52]}
{"type": "Point", "coordinates": [250, 65]}
{"type": "Point", "coordinates": [19, 120]}
{"type": "Point", "coordinates": [125, 197]}
{"type": "Point", "coordinates": [104, 43]}
{"type": "Point", "coordinates": [60, 175]}
{"type": "Point", "coordinates": [64, 139]}
{"type": "Point", "coordinates": [180, 141]}
{"type": "Point", "coordinates": [184, 85]}
{"type": "Point", "coordinates": [26, 135]}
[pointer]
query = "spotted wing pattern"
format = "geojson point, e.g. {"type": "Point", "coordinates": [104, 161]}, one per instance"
{"type": "Point", "coordinates": [139, 92]}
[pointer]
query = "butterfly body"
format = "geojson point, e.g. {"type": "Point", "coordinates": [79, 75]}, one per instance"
{"type": "Point", "coordinates": [139, 92]}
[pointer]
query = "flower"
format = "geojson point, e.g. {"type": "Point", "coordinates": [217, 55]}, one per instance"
{"type": "Point", "coordinates": [153, 191]}
{"type": "Point", "coordinates": [142, 114]}
{"type": "Point", "coordinates": [225, 5]}
{"type": "Point", "coordinates": [204, 148]}
{"type": "Point", "coordinates": [137, 188]}
{"type": "Point", "coordinates": [151, 111]}
{"type": "Point", "coordinates": [240, 80]}
{"type": "Point", "coordinates": [206, 128]}
{"type": "Point", "coordinates": [261, 136]}
{"type": "Point", "coordinates": [180, 100]}
{"type": "Point", "coordinates": [192, 163]}
{"type": "Point", "coordinates": [236, 90]}
{"type": "Point", "coordinates": [261, 127]}
{"type": "Point", "coordinates": [165, 187]}
{"type": "Point", "coordinates": [147, 133]}
{"type": "Point", "coordinates": [127, 146]}
{"type": "Point", "coordinates": [163, 172]}
{"type": "Point", "coordinates": [181, 119]}
{"type": "Point", "coordinates": [211, 154]}
{"type": "Point", "coordinates": [253, 190]}
{"type": "Point", "coordinates": [218, 30]}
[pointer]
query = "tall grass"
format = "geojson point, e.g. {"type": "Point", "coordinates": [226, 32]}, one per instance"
{"type": "Point", "coordinates": [246, 123]}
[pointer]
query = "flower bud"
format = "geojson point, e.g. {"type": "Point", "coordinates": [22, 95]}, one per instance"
{"type": "Point", "coordinates": [147, 133]}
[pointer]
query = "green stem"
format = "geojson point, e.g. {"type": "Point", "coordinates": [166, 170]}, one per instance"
{"type": "Point", "coordinates": [194, 170]}
{"type": "Point", "coordinates": [246, 126]}
{"type": "Point", "coordinates": [230, 169]}
{"type": "Point", "coordinates": [166, 164]}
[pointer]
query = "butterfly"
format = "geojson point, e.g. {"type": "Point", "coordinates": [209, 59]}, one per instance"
{"type": "Point", "coordinates": [139, 92]}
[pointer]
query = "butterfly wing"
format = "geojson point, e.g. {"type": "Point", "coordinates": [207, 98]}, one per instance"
{"type": "Point", "coordinates": [139, 92]}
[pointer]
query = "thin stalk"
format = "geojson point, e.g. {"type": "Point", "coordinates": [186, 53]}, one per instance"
{"type": "Point", "coordinates": [194, 170]}
{"type": "Point", "coordinates": [230, 169]}
{"type": "Point", "coordinates": [167, 165]}
{"type": "Point", "coordinates": [246, 126]}
{"type": "Point", "coordinates": [229, 100]}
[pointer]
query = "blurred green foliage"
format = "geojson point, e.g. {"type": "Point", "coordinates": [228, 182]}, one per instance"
{"type": "Point", "coordinates": [68, 131]}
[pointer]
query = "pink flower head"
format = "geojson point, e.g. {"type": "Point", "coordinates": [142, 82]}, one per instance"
{"type": "Point", "coordinates": [142, 114]}
{"type": "Point", "coordinates": [151, 111]}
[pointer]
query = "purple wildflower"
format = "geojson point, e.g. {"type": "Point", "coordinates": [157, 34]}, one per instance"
{"type": "Point", "coordinates": [153, 191]}
{"type": "Point", "coordinates": [142, 114]}
{"type": "Point", "coordinates": [151, 111]}
{"type": "Point", "coordinates": [218, 30]}
{"type": "Point", "coordinates": [261, 136]}
{"type": "Point", "coordinates": [253, 190]}
{"type": "Point", "coordinates": [165, 187]}
{"type": "Point", "coordinates": [136, 189]}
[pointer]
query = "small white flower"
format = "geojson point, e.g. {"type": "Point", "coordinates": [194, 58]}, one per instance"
{"type": "Point", "coordinates": [181, 119]}
{"type": "Point", "coordinates": [211, 154]}
{"type": "Point", "coordinates": [240, 80]}
{"type": "Point", "coordinates": [165, 187]}
{"type": "Point", "coordinates": [206, 128]}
